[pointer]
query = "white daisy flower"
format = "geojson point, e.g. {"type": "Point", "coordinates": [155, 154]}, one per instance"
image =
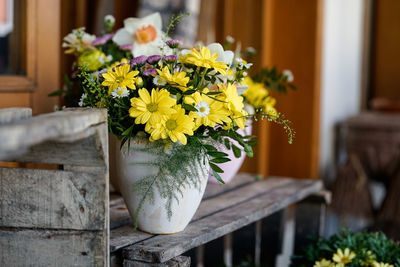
{"type": "Point", "coordinates": [120, 92]}
{"type": "Point", "coordinates": [158, 81]}
{"type": "Point", "coordinates": [83, 96]}
{"type": "Point", "coordinates": [289, 75]}
{"type": "Point", "coordinates": [203, 109]}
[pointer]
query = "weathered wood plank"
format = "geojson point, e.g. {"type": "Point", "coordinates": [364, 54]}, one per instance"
{"type": "Point", "coordinates": [8, 115]}
{"type": "Point", "coordinates": [161, 248]}
{"type": "Point", "coordinates": [180, 261]}
{"type": "Point", "coordinates": [240, 179]}
{"type": "Point", "coordinates": [67, 125]}
{"type": "Point", "coordinates": [125, 236]}
{"type": "Point", "coordinates": [52, 199]}
{"type": "Point", "coordinates": [52, 248]}
{"type": "Point", "coordinates": [119, 215]}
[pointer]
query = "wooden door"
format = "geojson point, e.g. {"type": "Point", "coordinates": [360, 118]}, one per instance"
{"type": "Point", "coordinates": [34, 47]}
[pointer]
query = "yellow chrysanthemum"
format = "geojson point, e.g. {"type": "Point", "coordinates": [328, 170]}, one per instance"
{"type": "Point", "coordinates": [124, 60]}
{"type": "Point", "coordinates": [257, 96]}
{"type": "Point", "coordinates": [178, 79]}
{"type": "Point", "coordinates": [202, 57]}
{"type": "Point", "coordinates": [175, 127]}
{"type": "Point", "coordinates": [323, 263]}
{"type": "Point", "coordinates": [120, 76]}
{"type": "Point", "coordinates": [229, 95]}
{"type": "Point", "coordinates": [382, 264]}
{"type": "Point", "coordinates": [91, 59]}
{"type": "Point", "coordinates": [343, 257]}
{"type": "Point", "coordinates": [209, 111]}
{"type": "Point", "coordinates": [152, 109]}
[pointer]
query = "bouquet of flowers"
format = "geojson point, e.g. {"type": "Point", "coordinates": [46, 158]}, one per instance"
{"type": "Point", "coordinates": [351, 249]}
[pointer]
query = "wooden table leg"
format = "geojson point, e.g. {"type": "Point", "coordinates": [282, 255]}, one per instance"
{"type": "Point", "coordinates": [288, 233]}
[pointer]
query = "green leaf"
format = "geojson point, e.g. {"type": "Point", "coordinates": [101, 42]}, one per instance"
{"type": "Point", "coordinates": [215, 168]}
{"type": "Point", "coordinates": [220, 160]}
{"type": "Point", "coordinates": [217, 154]}
{"type": "Point", "coordinates": [236, 151]}
{"type": "Point", "coordinates": [248, 150]}
{"type": "Point", "coordinates": [189, 92]}
{"type": "Point", "coordinates": [56, 93]}
{"type": "Point", "coordinates": [216, 175]}
{"type": "Point", "coordinates": [189, 107]}
{"type": "Point", "coordinates": [227, 143]}
{"type": "Point", "coordinates": [128, 131]}
{"type": "Point", "coordinates": [249, 136]}
{"type": "Point", "coordinates": [213, 93]}
{"type": "Point", "coordinates": [210, 148]}
{"type": "Point", "coordinates": [252, 143]}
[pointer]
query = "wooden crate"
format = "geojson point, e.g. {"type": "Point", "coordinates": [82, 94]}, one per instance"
{"type": "Point", "coordinates": [54, 215]}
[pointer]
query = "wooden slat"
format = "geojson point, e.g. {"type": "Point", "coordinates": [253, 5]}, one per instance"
{"type": "Point", "coordinates": [68, 125]}
{"type": "Point", "coordinates": [52, 199]}
{"type": "Point", "coordinates": [162, 248]}
{"type": "Point", "coordinates": [239, 180]}
{"type": "Point", "coordinates": [52, 248]}
{"type": "Point", "coordinates": [8, 115]}
{"type": "Point", "coordinates": [125, 236]}
{"type": "Point", "coordinates": [180, 261]}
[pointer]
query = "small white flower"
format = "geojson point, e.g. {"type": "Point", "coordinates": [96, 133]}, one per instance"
{"type": "Point", "coordinates": [109, 19]}
{"type": "Point", "coordinates": [241, 88]}
{"type": "Point", "coordinates": [158, 81]}
{"type": "Point", "coordinates": [203, 109]}
{"type": "Point", "coordinates": [289, 75]}
{"type": "Point", "coordinates": [102, 60]}
{"type": "Point", "coordinates": [83, 96]}
{"type": "Point", "coordinates": [230, 39]}
{"type": "Point", "coordinates": [120, 92]}
{"type": "Point", "coordinates": [244, 73]}
{"type": "Point", "coordinates": [109, 58]}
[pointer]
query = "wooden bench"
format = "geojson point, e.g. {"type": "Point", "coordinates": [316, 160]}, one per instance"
{"type": "Point", "coordinates": [224, 209]}
{"type": "Point", "coordinates": [56, 211]}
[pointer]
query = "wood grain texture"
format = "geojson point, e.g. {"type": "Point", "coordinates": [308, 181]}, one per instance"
{"type": "Point", "coordinates": [51, 199]}
{"type": "Point", "coordinates": [240, 179]}
{"type": "Point", "coordinates": [51, 248]}
{"type": "Point", "coordinates": [162, 248]}
{"type": "Point", "coordinates": [68, 125]}
{"type": "Point", "coordinates": [180, 261]}
{"type": "Point", "coordinates": [8, 115]}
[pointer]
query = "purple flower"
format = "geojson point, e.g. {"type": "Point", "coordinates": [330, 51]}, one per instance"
{"type": "Point", "coordinates": [138, 60]}
{"type": "Point", "coordinates": [153, 59]}
{"type": "Point", "coordinates": [126, 47]}
{"type": "Point", "coordinates": [170, 58]}
{"type": "Point", "coordinates": [102, 39]}
{"type": "Point", "coordinates": [174, 43]}
{"type": "Point", "coordinates": [149, 72]}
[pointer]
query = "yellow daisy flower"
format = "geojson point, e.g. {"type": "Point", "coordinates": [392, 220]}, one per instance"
{"type": "Point", "coordinates": [209, 111]}
{"type": "Point", "coordinates": [343, 257]}
{"type": "Point", "coordinates": [323, 263]}
{"type": "Point", "coordinates": [120, 77]}
{"type": "Point", "coordinates": [175, 127]}
{"type": "Point", "coordinates": [381, 264]}
{"type": "Point", "coordinates": [178, 79]}
{"type": "Point", "coordinates": [229, 95]}
{"type": "Point", "coordinates": [152, 109]}
{"type": "Point", "coordinates": [202, 57]}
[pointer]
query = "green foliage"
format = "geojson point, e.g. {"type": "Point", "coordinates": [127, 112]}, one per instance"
{"type": "Point", "coordinates": [175, 19]}
{"type": "Point", "coordinates": [384, 249]}
{"type": "Point", "coordinates": [272, 79]}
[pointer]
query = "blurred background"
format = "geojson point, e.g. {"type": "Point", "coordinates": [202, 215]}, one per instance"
{"type": "Point", "coordinates": [344, 55]}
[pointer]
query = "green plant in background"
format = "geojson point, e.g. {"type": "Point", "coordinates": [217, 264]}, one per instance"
{"type": "Point", "coordinates": [350, 249]}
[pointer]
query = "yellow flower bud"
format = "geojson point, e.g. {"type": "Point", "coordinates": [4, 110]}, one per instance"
{"type": "Point", "coordinates": [92, 59]}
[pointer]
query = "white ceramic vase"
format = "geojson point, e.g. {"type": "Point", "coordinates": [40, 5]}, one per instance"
{"type": "Point", "coordinates": [138, 163]}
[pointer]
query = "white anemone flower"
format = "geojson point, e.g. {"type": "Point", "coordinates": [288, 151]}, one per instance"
{"type": "Point", "coordinates": [144, 33]}
{"type": "Point", "coordinates": [224, 56]}
{"type": "Point", "coordinates": [203, 109]}
{"type": "Point", "coordinates": [120, 92]}
{"type": "Point", "coordinates": [289, 75]}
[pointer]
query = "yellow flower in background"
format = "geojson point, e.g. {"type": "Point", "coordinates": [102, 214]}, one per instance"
{"type": "Point", "coordinates": [257, 96]}
{"type": "Point", "coordinates": [175, 127]}
{"type": "Point", "coordinates": [203, 58]}
{"type": "Point", "coordinates": [151, 109]}
{"type": "Point", "coordinates": [178, 79]}
{"type": "Point", "coordinates": [120, 76]}
{"type": "Point", "coordinates": [343, 257]}
{"type": "Point", "coordinates": [209, 111]}
{"type": "Point", "coordinates": [229, 95]}
{"type": "Point", "coordinates": [323, 263]}
{"type": "Point", "coordinates": [124, 60]}
{"type": "Point", "coordinates": [92, 59]}
{"type": "Point", "coordinates": [381, 264]}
